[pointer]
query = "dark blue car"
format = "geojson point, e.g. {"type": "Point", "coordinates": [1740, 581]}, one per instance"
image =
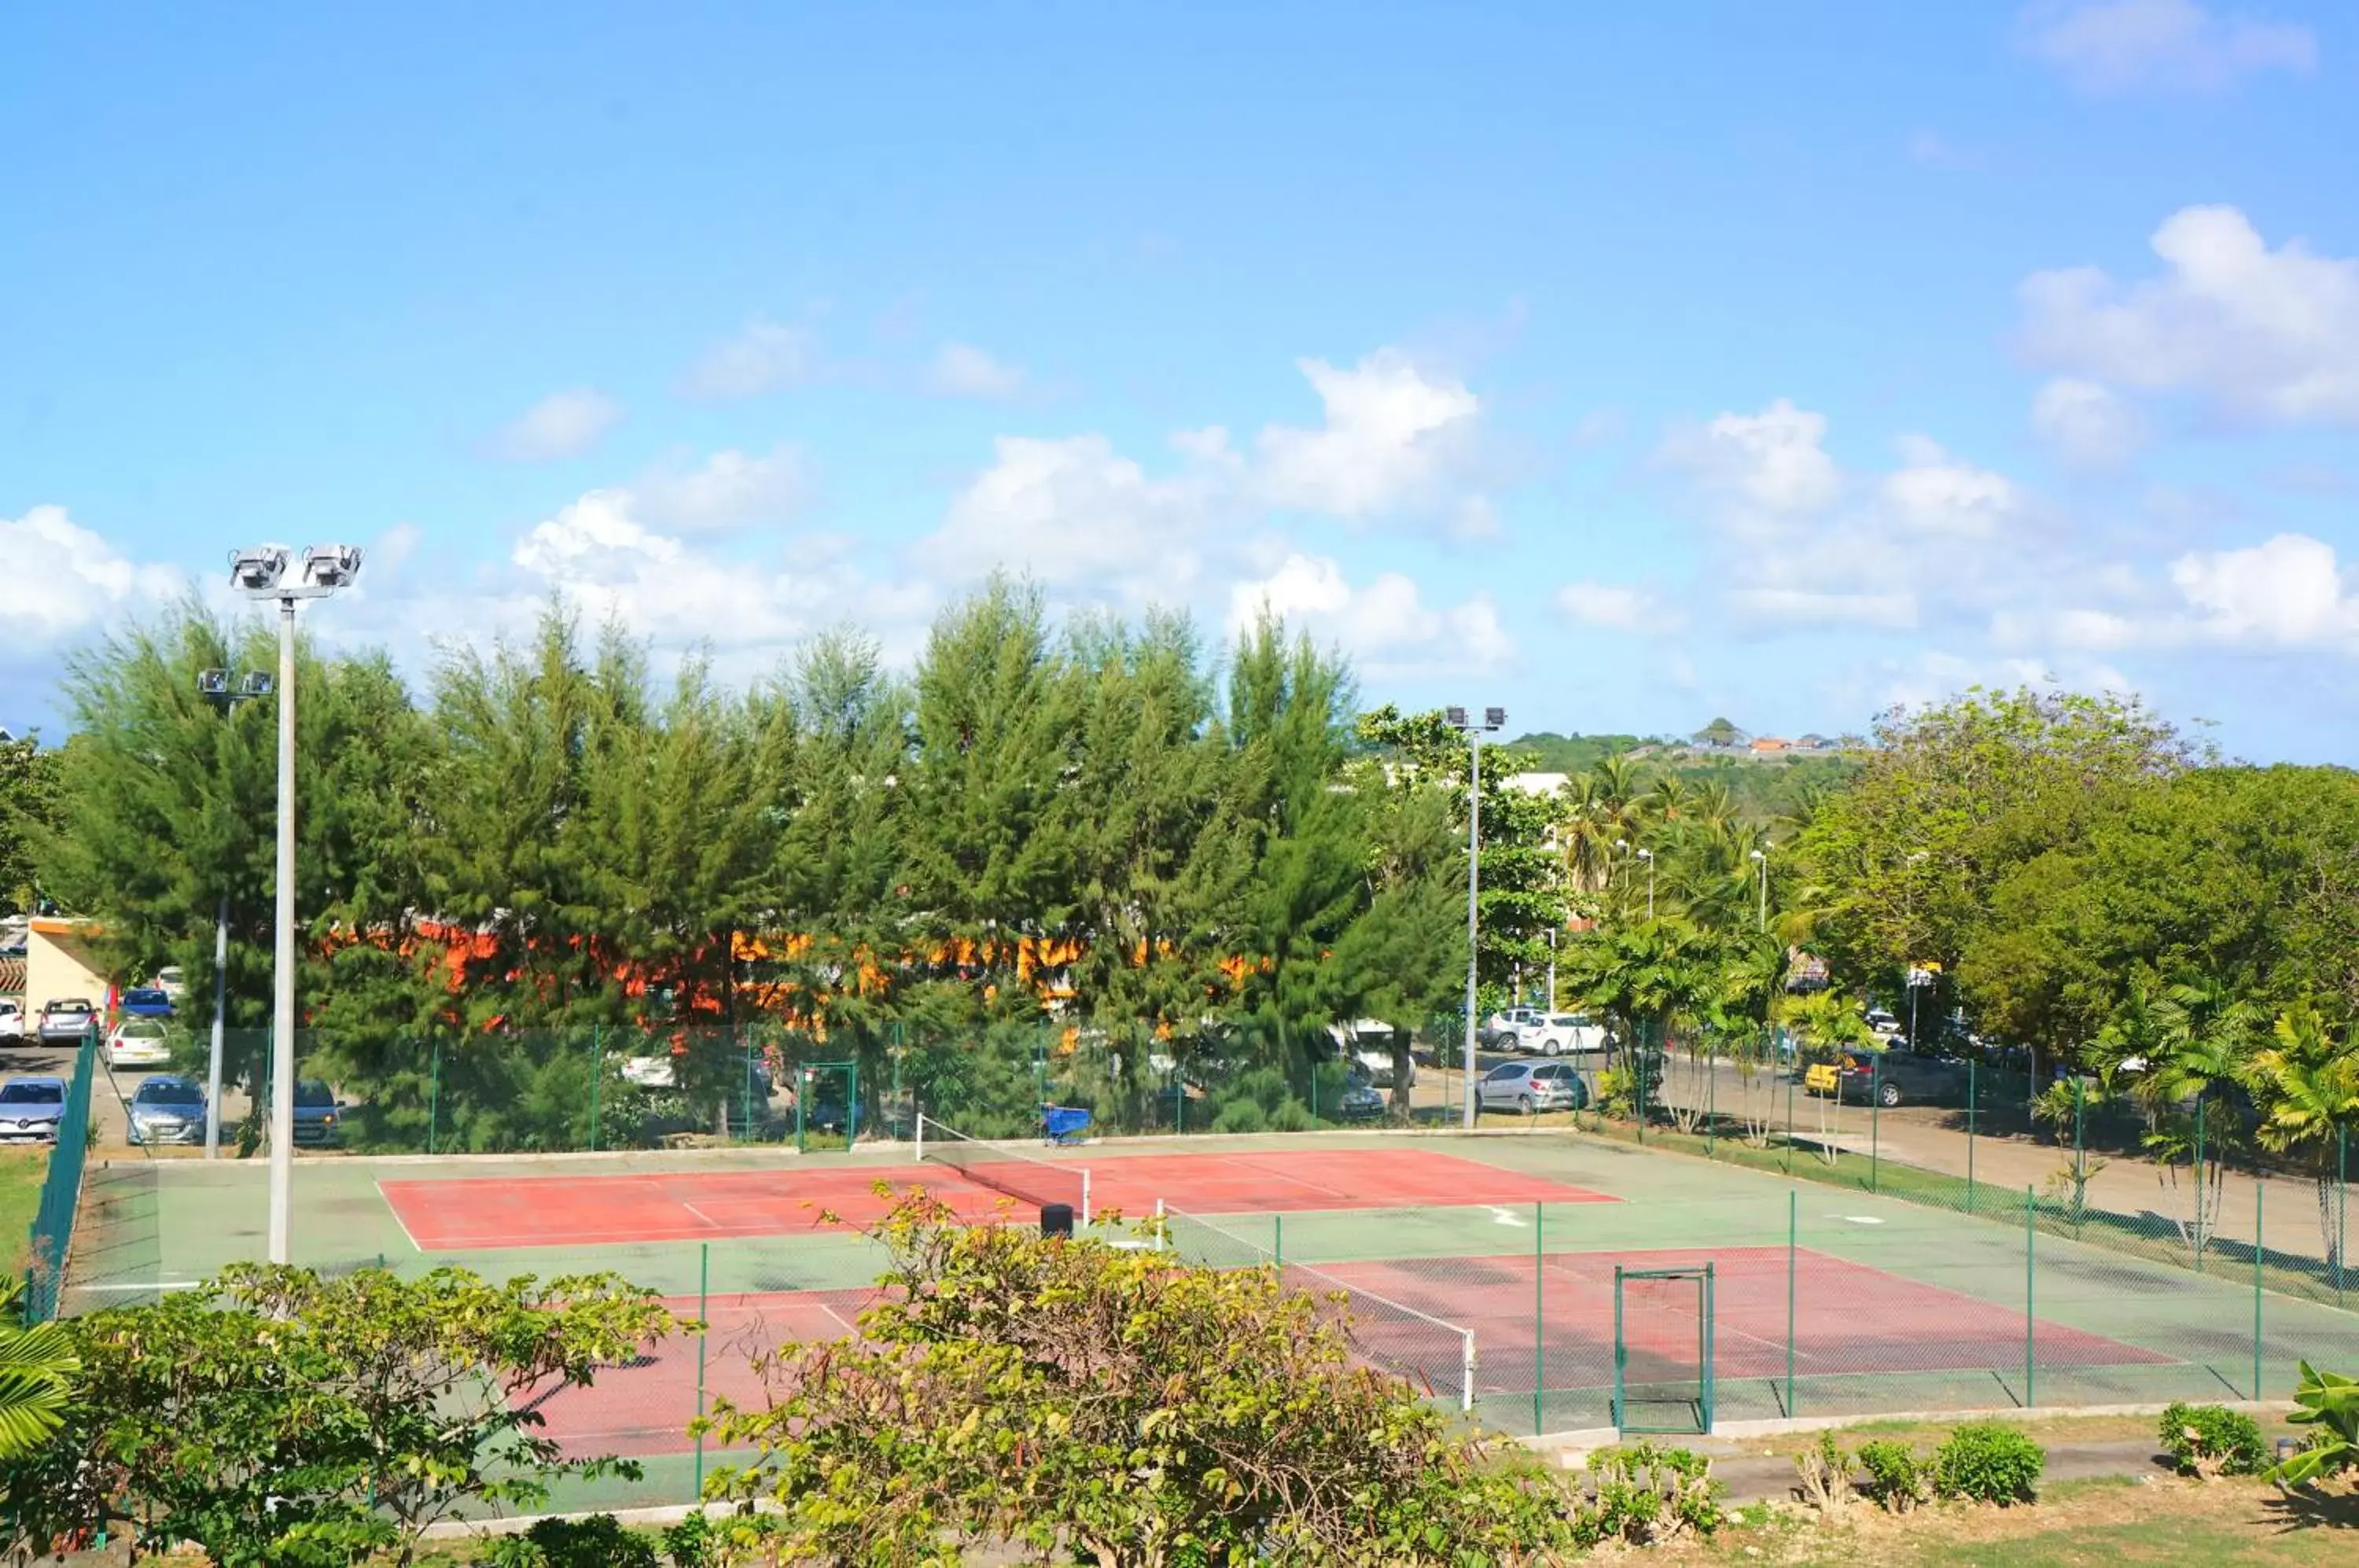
{"type": "Point", "coordinates": [145, 1002]}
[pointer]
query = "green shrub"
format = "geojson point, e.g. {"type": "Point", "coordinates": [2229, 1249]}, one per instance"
{"type": "Point", "coordinates": [1292, 1116]}
{"type": "Point", "coordinates": [598, 1542]}
{"type": "Point", "coordinates": [1649, 1494]}
{"type": "Point", "coordinates": [694, 1542]}
{"type": "Point", "coordinates": [2213, 1440]}
{"type": "Point", "coordinates": [1897, 1479]}
{"type": "Point", "coordinates": [2328, 1402]}
{"type": "Point", "coordinates": [1987, 1463]}
{"type": "Point", "coordinates": [1241, 1115]}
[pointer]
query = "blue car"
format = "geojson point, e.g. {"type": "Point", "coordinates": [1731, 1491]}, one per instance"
{"type": "Point", "coordinates": [32, 1108]}
{"type": "Point", "coordinates": [145, 1002]}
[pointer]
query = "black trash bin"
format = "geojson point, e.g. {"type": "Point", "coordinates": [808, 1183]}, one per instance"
{"type": "Point", "coordinates": [1057, 1219]}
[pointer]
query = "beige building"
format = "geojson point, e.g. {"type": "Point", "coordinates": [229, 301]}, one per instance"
{"type": "Point", "coordinates": [61, 962]}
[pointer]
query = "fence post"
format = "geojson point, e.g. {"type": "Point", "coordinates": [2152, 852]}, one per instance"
{"type": "Point", "coordinates": [2341, 1205]}
{"type": "Point", "coordinates": [2080, 1153]}
{"type": "Point", "coordinates": [1710, 1098]}
{"type": "Point", "coordinates": [705, 1319]}
{"type": "Point", "coordinates": [745, 1093]}
{"type": "Point", "coordinates": [1974, 1097]}
{"type": "Point", "coordinates": [2030, 1279]}
{"type": "Point", "coordinates": [2198, 1236]}
{"type": "Point", "coordinates": [1875, 1116]}
{"type": "Point", "coordinates": [1790, 1117]}
{"type": "Point", "coordinates": [597, 1071]}
{"type": "Point", "coordinates": [1277, 1239]}
{"type": "Point", "coordinates": [1539, 1310]}
{"type": "Point", "coordinates": [1793, 1249]}
{"type": "Point", "coordinates": [2259, 1186]}
{"type": "Point", "coordinates": [433, 1097]}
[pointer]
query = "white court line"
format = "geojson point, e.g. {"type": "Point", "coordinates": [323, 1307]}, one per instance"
{"type": "Point", "coordinates": [132, 1289]}
{"type": "Point", "coordinates": [704, 1217]}
{"type": "Point", "coordinates": [395, 1209]}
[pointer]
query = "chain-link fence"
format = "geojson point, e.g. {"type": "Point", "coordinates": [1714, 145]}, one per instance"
{"type": "Point", "coordinates": [598, 1087]}
{"type": "Point", "coordinates": [29, 1103]}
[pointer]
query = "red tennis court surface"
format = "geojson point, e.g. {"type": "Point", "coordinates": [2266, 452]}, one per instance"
{"type": "Point", "coordinates": [462, 1215]}
{"type": "Point", "coordinates": [1849, 1319]}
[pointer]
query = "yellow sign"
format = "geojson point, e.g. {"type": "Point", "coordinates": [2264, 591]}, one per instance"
{"type": "Point", "coordinates": [1821, 1076]}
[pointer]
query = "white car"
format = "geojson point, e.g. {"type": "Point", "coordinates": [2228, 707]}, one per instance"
{"type": "Point", "coordinates": [1562, 1034]}
{"type": "Point", "coordinates": [12, 1019]}
{"type": "Point", "coordinates": [139, 1042]}
{"type": "Point", "coordinates": [1503, 1025]}
{"type": "Point", "coordinates": [648, 1071]}
{"type": "Point", "coordinates": [169, 980]}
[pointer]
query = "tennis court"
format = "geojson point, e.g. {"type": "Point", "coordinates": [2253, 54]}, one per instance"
{"type": "Point", "coordinates": [444, 1216]}
{"type": "Point", "coordinates": [1482, 1267]}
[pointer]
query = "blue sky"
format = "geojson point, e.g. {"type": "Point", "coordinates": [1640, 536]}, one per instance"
{"type": "Point", "coordinates": [1621, 365]}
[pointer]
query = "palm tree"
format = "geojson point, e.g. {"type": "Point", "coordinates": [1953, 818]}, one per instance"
{"type": "Point", "coordinates": [2201, 1037]}
{"type": "Point", "coordinates": [2306, 1086]}
{"type": "Point", "coordinates": [36, 1365]}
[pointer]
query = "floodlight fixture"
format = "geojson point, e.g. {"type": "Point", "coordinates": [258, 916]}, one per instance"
{"type": "Point", "coordinates": [331, 566]}
{"type": "Point", "coordinates": [1494, 718]}
{"type": "Point", "coordinates": [257, 570]}
{"type": "Point", "coordinates": [212, 682]}
{"type": "Point", "coordinates": [258, 684]}
{"type": "Point", "coordinates": [1456, 717]}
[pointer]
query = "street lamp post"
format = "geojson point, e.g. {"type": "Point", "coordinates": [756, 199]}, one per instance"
{"type": "Point", "coordinates": [217, 688]}
{"type": "Point", "coordinates": [1648, 856]}
{"type": "Point", "coordinates": [1459, 719]}
{"type": "Point", "coordinates": [1761, 864]}
{"type": "Point", "coordinates": [260, 574]}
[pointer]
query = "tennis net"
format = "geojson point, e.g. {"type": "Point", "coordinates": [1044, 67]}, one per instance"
{"type": "Point", "coordinates": [1435, 1354]}
{"type": "Point", "coordinates": [1014, 1171]}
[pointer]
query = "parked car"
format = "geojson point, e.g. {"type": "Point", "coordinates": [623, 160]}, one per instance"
{"type": "Point", "coordinates": [317, 1116]}
{"type": "Point", "coordinates": [1532, 1087]}
{"type": "Point", "coordinates": [1883, 1023]}
{"type": "Point", "coordinates": [167, 1109]}
{"type": "Point", "coordinates": [168, 981]}
{"type": "Point", "coordinates": [1496, 1028]}
{"type": "Point", "coordinates": [145, 1002]}
{"type": "Point", "coordinates": [1560, 1034]}
{"type": "Point", "coordinates": [649, 1072]}
{"type": "Point", "coordinates": [1361, 1100]}
{"type": "Point", "coordinates": [32, 1108]}
{"type": "Point", "coordinates": [65, 1021]}
{"type": "Point", "coordinates": [12, 1019]}
{"type": "Point", "coordinates": [139, 1042]}
{"type": "Point", "coordinates": [1892, 1076]}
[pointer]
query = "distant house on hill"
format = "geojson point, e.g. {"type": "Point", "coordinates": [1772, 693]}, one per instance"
{"type": "Point", "coordinates": [1771, 746]}
{"type": "Point", "coordinates": [1541, 784]}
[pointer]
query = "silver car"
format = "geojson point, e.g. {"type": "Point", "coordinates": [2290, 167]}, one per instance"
{"type": "Point", "coordinates": [167, 1109]}
{"type": "Point", "coordinates": [1532, 1087]}
{"type": "Point", "coordinates": [32, 1108]}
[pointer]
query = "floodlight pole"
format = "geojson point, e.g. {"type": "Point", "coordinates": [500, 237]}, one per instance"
{"type": "Point", "coordinates": [260, 574]}
{"type": "Point", "coordinates": [221, 1005]}
{"type": "Point", "coordinates": [282, 962]}
{"type": "Point", "coordinates": [1473, 724]}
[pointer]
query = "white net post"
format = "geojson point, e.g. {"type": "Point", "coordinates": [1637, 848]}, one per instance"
{"type": "Point", "coordinates": [921, 1137]}
{"type": "Point", "coordinates": [1466, 1375]}
{"type": "Point", "coordinates": [1086, 1198]}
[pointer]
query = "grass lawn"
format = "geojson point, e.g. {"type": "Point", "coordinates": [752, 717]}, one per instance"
{"type": "Point", "coordinates": [2163, 1523]}
{"type": "Point", "coordinates": [21, 1170]}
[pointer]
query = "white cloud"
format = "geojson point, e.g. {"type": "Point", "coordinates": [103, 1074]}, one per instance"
{"type": "Point", "coordinates": [764, 357]}
{"type": "Point", "coordinates": [729, 489]}
{"type": "Point", "coordinates": [2174, 46]}
{"type": "Point", "coordinates": [563, 424]}
{"type": "Point", "coordinates": [2288, 591]}
{"type": "Point", "coordinates": [65, 581]}
{"type": "Point", "coordinates": [2087, 423]}
{"type": "Point", "coordinates": [604, 558]}
{"type": "Point", "coordinates": [1772, 461]}
{"type": "Point", "coordinates": [1392, 435]}
{"type": "Point", "coordinates": [961, 370]}
{"type": "Point", "coordinates": [1883, 612]}
{"type": "Point", "coordinates": [1611, 606]}
{"type": "Point", "coordinates": [2265, 334]}
{"type": "Point", "coordinates": [1935, 675]}
{"type": "Point", "coordinates": [1074, 513]}
{"type": "Point", "coordinates": [1934, 494]}
{"type": "Point", "coordinates": [1384, 624]}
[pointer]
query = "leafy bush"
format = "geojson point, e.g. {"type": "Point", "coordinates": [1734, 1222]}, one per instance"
{"type": "Point", "coordinates": [1292, 1116]}
{"type": "Point", "coordinates": [2329, 1401]}
{"type": "Point", "coordinates": [694, 1542]}
{"type": "Point", "coordinates": [1897, 1479]}
{"type": "Point", "coordinates": [1241, 1115]}
{"type": "Point", "coordinates": [1986, 1462]}
{"type": "Point", "coordinates": [598, 1542]}
{"type": "Point", "coordinates": [1084, 1402]}
{"type": "Point", "coordinates": [1649, 1494]}
{"type": "Point", "coordinates": [2213, 1440]}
